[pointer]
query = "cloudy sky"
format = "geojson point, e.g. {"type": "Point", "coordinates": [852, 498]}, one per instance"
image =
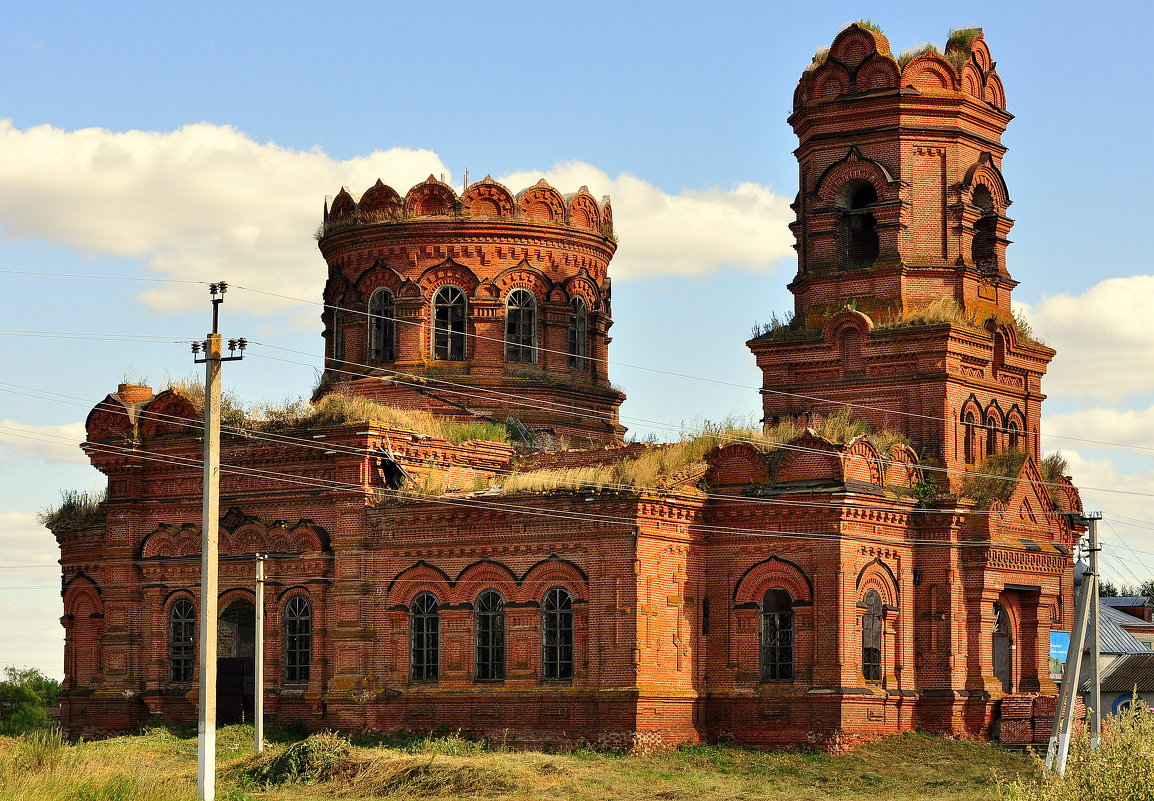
{"type": "Point", "coordinates": [197, 143]}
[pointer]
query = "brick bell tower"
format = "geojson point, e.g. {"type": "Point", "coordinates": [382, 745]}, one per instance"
{"type": "Point", "coordinates": [487, 305]}
{"type": "Point", "coordinates": [902, 294]}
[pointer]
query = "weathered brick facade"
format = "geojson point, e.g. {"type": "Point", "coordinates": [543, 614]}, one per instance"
{"type": "Point", "coordinates": [776, 593]}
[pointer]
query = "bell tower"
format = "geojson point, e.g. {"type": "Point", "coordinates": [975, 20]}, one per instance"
{"type": "Point", "coordinates": [902, 294]}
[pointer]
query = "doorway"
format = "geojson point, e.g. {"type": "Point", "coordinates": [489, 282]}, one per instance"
{"type": "Point", "coordinates": [235, 671]}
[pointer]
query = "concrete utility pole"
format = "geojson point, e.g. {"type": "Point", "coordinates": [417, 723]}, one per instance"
{"type": "Point", "coordinates": [209, 552]}
{"type": "Point", "coordinates": [1059, 748]}
{"type": "Point", "coordinates": [258, 676]}
{"type": "Point", "coordinates": [1095, 639]}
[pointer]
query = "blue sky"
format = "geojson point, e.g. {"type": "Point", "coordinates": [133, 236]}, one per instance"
{"type": "Point", "coordinates": [198, 142]}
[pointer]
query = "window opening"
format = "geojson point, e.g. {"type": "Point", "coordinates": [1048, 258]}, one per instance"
{"type": "Point", "coordinates": [984, 250]}
{"type": "Point", "coordinates": [424, 637]}
{"type": "Point", "coordinates": [968, 437]}
{"type": "Point", "coordinates": [521, 327]}
{"type": "Point", "coordinates": [298, 639]}
{"type": "Point", "coordinates": [557, 635]}
{"type": "Point", "coordinates": [859, 224]}
{"type": "Point", "coordinates": [871, 637]}
{"type": "Point", "coordinates": [382, 327]}
{"type": "Point", "coordinates": [1014, 434]}
{"type": "Point", "coordinates": [705, 616]}
{"type": "Point", "coordinates": [181, 641]}
{"type": "Point", "coordinates": [489, 626]}
{"type": "Point", "coordinates": [991, 436]}
{"type": "Point", "coordinates": [578, 334]}
{"type": "Point", "coordinates": [338, 335]}
{"type": "Point", "coordinates": [449, 318]}
{"type": "Point", "coordinates": [776, 635]}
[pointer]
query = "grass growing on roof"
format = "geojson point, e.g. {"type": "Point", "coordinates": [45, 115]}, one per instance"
{"type": "Point", "coordinates": [920, 50]}
{"type": "Point", "coordinates": [76, 508]}
{"type": "Point", "coordinates": [995, 478]}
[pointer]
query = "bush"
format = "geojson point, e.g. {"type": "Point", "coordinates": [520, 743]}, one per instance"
{"type": "Point", "coordinates": [24, 694]}
{"type": "Point", "coordinates": [1120, 769]}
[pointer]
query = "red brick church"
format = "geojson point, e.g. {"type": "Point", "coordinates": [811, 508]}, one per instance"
{"type": "Point", "coordinates": [898, 571]}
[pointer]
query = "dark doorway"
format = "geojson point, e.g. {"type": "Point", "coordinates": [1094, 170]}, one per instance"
{"type": "Point", "coordinates": [235, 671]}
{"type": "Point", "coordinates": [1003, 662]}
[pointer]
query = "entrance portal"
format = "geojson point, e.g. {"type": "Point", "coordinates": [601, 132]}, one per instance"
{"type": "Point", "coordinates": [235, 672]}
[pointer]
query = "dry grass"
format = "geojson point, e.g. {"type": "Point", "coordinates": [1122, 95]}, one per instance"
{"type": "Point", "coordinates": [909, 55]}
{"type": "Point", "coordinates": [948, 310]}
{"type": "Point", "coordinates": [995, 478]}
{"type": "Point", "coordinates": [161, 766]}
{"type": "Point", "coordinates": [76, 508]}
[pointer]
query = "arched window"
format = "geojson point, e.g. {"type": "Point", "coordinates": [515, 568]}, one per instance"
{"type": "Point", "coordinates": [424, 637]}
{"type": "Point", "coordinates": [450, 313]}
{"type": "Point", "coordinates": [1003, 639]}
{"type": "Point", "coordinates": [557, 635]}
{"type": "Point", "coordinates": [298, 639]}
{"type": "Point", "coordinates": [984, 252]}
{"type": "Point", "coordinates": [382, 327]}
{"type": "Point", "coordinates": [489, 627]}
{"type": "Point", "coordinates": [338, 335]}
{"type": "Point", "coordinates": [776, 635]}
{"type": "Point", "coordinates": [1013, 438]}
{"type": "Point", "coordinates": [181, 641]}
{"type": "Point", "coordinates": [992, 435]}
{"type": "Point", "coordinates": [859, 227]}
{"type": "Point", "coordinates": [578, 334]}
{"type": "Point", "coordinates": [521, 327]}
{"type": "Point", "coordinates": [968, 437]}
{"type": "Point", "coordinates": [871, 637]}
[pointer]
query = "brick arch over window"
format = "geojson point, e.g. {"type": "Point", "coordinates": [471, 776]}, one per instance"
{"type": "Point", "coordinates": [84, 624]}
{"type": "Point", "coordinates": [170, 541]}
{"type": "Point", "coordinates": [415, 579]}
{"type": "Point", "coordinates": [486, 573]}
{"type": "Point", "coordinates": [813, 458]}
{"type": "Point", "coordinates": [555, 571]}
{"type": "Point", "coordinates": [862, 462]}
{"type": "Point", "coordinates": [877, 575]}
{"type": "Point", "coordinates": [994, 425]}
{"type": "Point", "coordinates": [768, 574]}
{"type": "Point", "coordinates": [969, 419]}
{"type": "Point", "coordinates": [448, 272]}
{"type": "Point", "coordinates": [854, 167]}
{"type": "Point", "coordinates": [167, 413]}
{"type": "Point", "coordinates": [901, 470]}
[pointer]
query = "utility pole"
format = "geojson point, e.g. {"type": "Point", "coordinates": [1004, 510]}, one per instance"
{"type": "Point", "coordinates": [258, 677]}
{"type": "Point", "coordinates": [209, 552]}
{"type": "Point", "coordinates": [1095, 640]}
{"type": "Point", "coordinates": [1059, 748]}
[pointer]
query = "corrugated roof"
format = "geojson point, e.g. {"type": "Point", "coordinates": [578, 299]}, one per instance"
{"type": "Point", "coordinates": [1132, 670]}
{"type": "Point", "coordinates": [1122, 618]}
{"type": "Point", "coordinates": [1122, 600]}
{"type": "Point", "coordinates": [1113, 639]}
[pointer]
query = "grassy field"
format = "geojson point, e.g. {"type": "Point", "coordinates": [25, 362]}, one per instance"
{"type": "Point", "coordinates": [160, 765]}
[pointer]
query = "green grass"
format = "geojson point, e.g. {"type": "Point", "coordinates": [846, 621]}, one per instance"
{"type": "Point", "coordinates": [160, 765]}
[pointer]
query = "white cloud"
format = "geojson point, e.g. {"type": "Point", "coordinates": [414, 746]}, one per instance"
{"type": "Point", "coordinates": [1103, 337]}
{"type": "Point", "coordinates": [692, 232]}
{"type": "Point", "coordinates": [47, 443]}
{"type": "Point", "coordinates": [207, 202]}
{"type": "Point", "coordinates": [203, 202]}
{"type": "Point", "coordinates": [24, 542]}
{"type": "Point", "coordinates": [1129, 427]}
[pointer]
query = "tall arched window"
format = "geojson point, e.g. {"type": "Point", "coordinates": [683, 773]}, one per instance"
{"type": "Point", "coordinates": [776, 635]}
{"type": "Point", "coordinates": [557, 635]}
{"type": "Point", "coordinates": [424, 637]}
{"type": "Point", "coordinates": [1013, 437]}
{"type": "Point", "coordinates": [450, 314]}
{"type": "Point", "coordinates": [984, 251]}
{"type": "Point", "coordinates": [969, 424]}
{"type": "Point", "coordinates": [298, 639]}
{"type": "Point", "coordinates": [578, 334]}
{"type": "Point", "coordinates": [859, 227]}
{"type": "Point", "coordinates": [521, 327]}
{"type": "Point", "coordinates": [1003, 639]}
{"type": "Point", "coordinates": [992, 435]}
{"type": "Point", "coordinates": [338, 335]}
{"type": "Point", "coordinates": [382, 327]}
{"type": "Point", "coordinates": [489, 628]}
{"type": "Point", "coordinates": [871, 637]}
{"type": "Point", "coordinates": [181, 641]}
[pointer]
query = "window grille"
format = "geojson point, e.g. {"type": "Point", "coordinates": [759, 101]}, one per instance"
{"type": "Point", "coordinates": [298, 639]}
{"type": "Point", "coordinates": [382, 327]}
{"type": "Point", "coordinates": [777, 636]}
{"type": "Point", "coordinates": [521, 327]}
{"type": "Point", "coordinates": [424, 637]}
{"type": "Point", "coordinates": [578, 334]}
{"type": "Point", "coordinates": [181, 641]}
{"type": "Point", "coordinates": [489, 627]}
{"type": "Point", "coordinates": [450, 312]}
{"type": "Point", "coordinates": [557, 635]}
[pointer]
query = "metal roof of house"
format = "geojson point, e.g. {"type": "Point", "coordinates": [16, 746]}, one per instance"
{"type": "Point", "coordinates": [1132, 670]}
{"type": "Point", "coordinates": [1123, 618]}
{"type": "Point", "coordinates": [1113, 639]}
{"type": "Point", "coordinates": [1122, 600]}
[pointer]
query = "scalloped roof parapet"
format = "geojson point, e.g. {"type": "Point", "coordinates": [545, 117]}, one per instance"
{"type": "Point", "coordinates": [860, 60]}
{"type": "Point", "coordinates": [486, 200]}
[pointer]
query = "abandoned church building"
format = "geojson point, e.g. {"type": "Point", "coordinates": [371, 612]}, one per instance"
{"type": "Point", "coordinates": [463, 538]}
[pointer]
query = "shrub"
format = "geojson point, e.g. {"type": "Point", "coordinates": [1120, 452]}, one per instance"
{"type": "Point", "coordinates": [76, 508]}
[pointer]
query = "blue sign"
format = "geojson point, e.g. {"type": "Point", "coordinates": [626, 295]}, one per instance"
{"type": "Point", "coordinates": [1059, 647]}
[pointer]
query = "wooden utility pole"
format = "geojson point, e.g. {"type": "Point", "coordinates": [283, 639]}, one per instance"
{"type": "Point", "coordinates": [209, 551]}
{"type": "Point", "coordinates": [258, 676]}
